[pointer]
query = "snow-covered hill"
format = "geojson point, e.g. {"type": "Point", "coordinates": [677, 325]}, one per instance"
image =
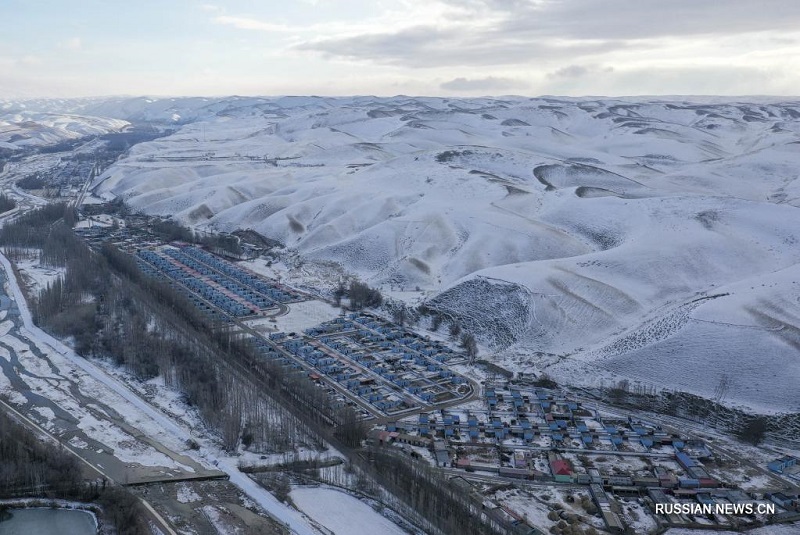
{"type": "Point", "coordinates": [32, 125]}
{"type": "Point", "coordinates": [649, 238]}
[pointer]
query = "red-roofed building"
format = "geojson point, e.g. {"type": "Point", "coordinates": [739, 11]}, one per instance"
{"type": "Point", "coordinates": [561, 469]}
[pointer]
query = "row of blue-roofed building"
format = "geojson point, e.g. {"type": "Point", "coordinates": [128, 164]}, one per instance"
{"type": "Point", "coordinates": [252, 293]}
{"type": "Point", "coordinates": [407, 360]}
{"type": "Point", "coordinates": [269, 351]}
{"type": "Point", "coordinates": [391, 332]}
{"type": "Point", "coordinates": [377, 361]}
{"type": "Point", "coordinates": [354, 381]}
{"type": "Point", "coordinates": [248, 280]}
{"type": "Point", "coordinates": [163, 266]}
{"type": "Point", "coordinates": [148, 268]}
{"type": "Point", "coordinates": [535, 414]}
{"type": "Point", "coordinates": [157, 266]}
{"type": "Point", "coordinates": [396, 367]}
{"type": "Point", "coordinates": [260, 301]}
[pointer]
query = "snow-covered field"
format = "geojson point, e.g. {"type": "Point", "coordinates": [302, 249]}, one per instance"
{"type": "Point", "coordinates": [38, 277]}
{"type": "Point", "coordinates": [582, 228]}
{"type": "Point", "coordinates": [300, 317]}
{"type": "Point", "coordinates": [341, 513]}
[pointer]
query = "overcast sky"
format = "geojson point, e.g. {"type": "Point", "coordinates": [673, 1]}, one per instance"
{"type": "Point", "coordinates": [418, 47]}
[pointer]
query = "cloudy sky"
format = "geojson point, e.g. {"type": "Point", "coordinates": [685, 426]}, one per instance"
{"type": "Point", "coordinates": [419, 47]}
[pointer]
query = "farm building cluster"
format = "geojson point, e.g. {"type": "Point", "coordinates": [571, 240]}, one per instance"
{"type": "Point", "coordinates": [539, 436]}
{"type": "Point", "coordinates": [386, 368]}
{"type": "Point", "coordinates": [540, 418]}
{"type": "Point", "coordinates": [362, 359]}
{"type": "Point", "coordinates": [217, 287]}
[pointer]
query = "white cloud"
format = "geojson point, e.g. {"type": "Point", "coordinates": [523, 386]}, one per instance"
{"type": "Point", "coordinates": [244, 23]}
{"type": "Point", "coordinates": [578, 71]}
{"type": "Point", "coordinates": [676, 80]}
{"type": "Point", "coordinates": [73, 43]}
{"type": "Point", "coordinates": [487, 84]}
{"type": "Point", "coordinates": [546, 33]}
{"type": "Point", "coordinates": [574, 47]}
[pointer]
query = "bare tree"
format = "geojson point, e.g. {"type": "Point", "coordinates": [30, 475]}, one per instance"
{"type": "Point", "coordinates": [455, 330]}
{"type": "Point", "coordinates": [721, 391]}
{"type": "Point", "coordinates": [399, 315]}
{"type": "Point", "coordinates": [470, 346]}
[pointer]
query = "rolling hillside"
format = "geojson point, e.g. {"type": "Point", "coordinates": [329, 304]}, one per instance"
{"type": "Point", "coordinates": [22, 126]}
{"type": "Point", "coordinates": [594, 239]}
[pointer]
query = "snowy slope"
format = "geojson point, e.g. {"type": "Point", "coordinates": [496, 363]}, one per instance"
{"type": "Point", "coordinates": [24, 128]}
{"type": "Point", "coordinates": [585, 228]}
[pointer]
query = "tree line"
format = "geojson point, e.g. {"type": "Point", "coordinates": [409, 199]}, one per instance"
{"type": "Point", "coordinates": [48, 227]}
{"type": "Point", "coordinates": [151, 329]}
{"type": "Point", "coordinates": [751, 428]}
{"type": "Point", "coordinates": [31, 467]}
{"type": "Point", "coordinates": [360, 295]}
{"type": "Point", "coordinates": [450, 507]}
{"type": "Point", "coordinates": [33, 181]}
{"type": "Point", "coordinates": [170, 231]}
{"type": "Point", "coordinates": [6, 202]}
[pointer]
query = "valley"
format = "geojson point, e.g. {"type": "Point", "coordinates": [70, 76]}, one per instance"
{"type": "Point", "coordinates": [581, 302]}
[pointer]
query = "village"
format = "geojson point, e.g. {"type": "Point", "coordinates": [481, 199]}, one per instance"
{"type": "Point", "coordinates": [507, 440]}
{"type": "Point", "coordinates": [541, 437]}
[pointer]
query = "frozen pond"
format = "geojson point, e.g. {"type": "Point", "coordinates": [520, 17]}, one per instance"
{"type": "Point", "coordinates": [49, 522]}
